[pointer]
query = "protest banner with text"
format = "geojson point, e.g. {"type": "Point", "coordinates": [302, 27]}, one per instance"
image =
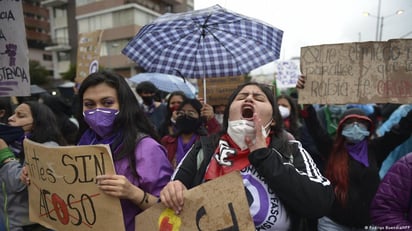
{"type": "Point", "coordinates": [219, 89]}
{"type": "Point", "coordinates": [88, 54]}
{"type": "Point", "coordinates": [14, 54]}
{"type": "Point", "coordinates": [366, 72]}
{"type": "Point", "coordinates": [63, 193]}
{"type": "Point", "coordinates": [219, 204]}
{"type": "Point", "coordinates": [287, 73]}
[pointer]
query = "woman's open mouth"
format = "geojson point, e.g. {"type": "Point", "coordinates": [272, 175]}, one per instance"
{"type": "Point", "coordinates": [247, 112]}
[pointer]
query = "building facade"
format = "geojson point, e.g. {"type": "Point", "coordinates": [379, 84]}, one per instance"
{"type": "Point", "coordinates": [120, 20]}
{"type": "Point", "coordinates": [36, 20]}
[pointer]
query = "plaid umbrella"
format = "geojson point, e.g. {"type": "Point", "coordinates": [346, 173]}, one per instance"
{"type": "Point", "coordinates": [167, 83]}
{"type": "Point", "coordinates": [212, 42]}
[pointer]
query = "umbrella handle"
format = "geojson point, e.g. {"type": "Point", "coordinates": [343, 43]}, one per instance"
{"type": "Point", "coordinates": [204, 90]}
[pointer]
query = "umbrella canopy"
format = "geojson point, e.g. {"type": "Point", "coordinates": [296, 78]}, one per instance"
{"type": "Point", "coordinates": [35, 89]}
{"type": "Point", "coordinates": [167, 83]}
{"type": "Point", "coordinates": [212, 42]}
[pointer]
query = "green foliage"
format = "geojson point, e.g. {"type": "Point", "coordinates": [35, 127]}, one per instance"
{"type": "Point", "coordinates": [38, 74]}
{"type": "Point", "coordinates": [70, 74]}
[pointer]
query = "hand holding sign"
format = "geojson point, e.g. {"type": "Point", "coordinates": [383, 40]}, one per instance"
{"type": "Point", "coordinates": [63, 194]}
{"type": "Point", "coordinates": [219, 204]}
{"type": "Point", "coordinates": [172, 195]}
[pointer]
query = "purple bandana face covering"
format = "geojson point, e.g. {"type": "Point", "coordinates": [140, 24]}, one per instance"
{"type": "Point", "coordinates": [100, 120]}
{"type": "Point", "coordinates": [359, 152]}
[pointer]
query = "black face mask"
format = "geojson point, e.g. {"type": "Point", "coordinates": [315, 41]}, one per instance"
{"type": "Point", "coordinates": [10, 133]}
{"type": "Point", "coordinates": [187, 124]}
{"type": "Point", "coordinates": [148, 100]}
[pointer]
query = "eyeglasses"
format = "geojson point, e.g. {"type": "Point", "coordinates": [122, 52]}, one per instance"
{"type": "Point", "coordinates": [352, 124]}
{"type": "Point", "coordinates": [188, 113]}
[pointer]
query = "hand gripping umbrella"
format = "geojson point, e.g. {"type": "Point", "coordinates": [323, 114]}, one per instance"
{"type": "Point", "coordinates": [212, 42]}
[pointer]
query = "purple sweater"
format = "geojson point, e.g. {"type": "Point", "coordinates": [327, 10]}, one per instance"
{"type": "Point", "coordinates": [154, 171]}
{"type": "Point", "coordinates": [152, 166]}
{"type": "Point", "coordinates": [391, 206]}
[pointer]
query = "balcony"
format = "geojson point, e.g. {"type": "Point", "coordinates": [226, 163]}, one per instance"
{"type": "Point", "coordinates": [35, 23]}
{"type": "Point", "coordinates": [59, 44]}
{"type": "Point", "coordinates": [38, 36]}
{"type": "Point", "coordinates": [53, 3]}
{"type": "Point", "coordinates": [35, 10]}
{"type": "Point", "coordinates": [174, 2]}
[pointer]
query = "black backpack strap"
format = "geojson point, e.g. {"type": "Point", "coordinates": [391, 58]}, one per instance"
{"type": "Point", "coordinates": [205, 153]}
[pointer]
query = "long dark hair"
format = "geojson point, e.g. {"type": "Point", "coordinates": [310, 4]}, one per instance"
{"type": "Point", "coordinates": [5, 104]}
{"type": "Point", "coordinates": [279, 137]}
{"type": "Point", "coordinates": [62, 111]}
{"type": "Point", "coordinates": [45, 127]}
{"type": "Point", "coordinates": [131, 121]}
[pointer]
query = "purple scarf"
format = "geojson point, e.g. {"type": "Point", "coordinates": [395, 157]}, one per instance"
{"type": "Point", "coordinates": [89, 137]}
{"type": "Point", "coordinates": [359, 152]}
{"type": "Point", "coordinates": [182, 148]}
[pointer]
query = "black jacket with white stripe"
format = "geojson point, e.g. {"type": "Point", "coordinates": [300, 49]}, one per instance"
{"type": "Point", "coordinates": [288, 170]}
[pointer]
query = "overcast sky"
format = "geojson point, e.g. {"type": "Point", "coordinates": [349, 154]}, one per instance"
{"type": "Point", "coordinates": [315, 22]}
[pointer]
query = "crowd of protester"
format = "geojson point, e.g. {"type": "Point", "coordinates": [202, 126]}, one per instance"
{"type": "Point", "coordinates": [332, 167]}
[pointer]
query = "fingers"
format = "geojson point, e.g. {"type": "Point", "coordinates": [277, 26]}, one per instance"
{"type": "Point", "coordinates": [24, 176]}
{"type": "Point", "coordinates": [3, 144]}
{"type": "Point", "coordinates": [301, 82]}
{"type": "Point", "coordinates": [207, 111]}
{"type": "Point", "coordinates": [174, 115]}
{"type": "Point", "coordinates": [114, 185]}
{"type": "Point", "coordinates": [260, 140]}
{"type": "Point", "coordinates": [172, 196]}
{"type": "Point", "coordinates": [104, 180]}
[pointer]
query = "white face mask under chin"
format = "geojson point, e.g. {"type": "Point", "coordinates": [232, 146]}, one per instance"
{"type": "Point", "coordinates": [284, 111]}
{"type": "Point", "coordinates": [239, 129]}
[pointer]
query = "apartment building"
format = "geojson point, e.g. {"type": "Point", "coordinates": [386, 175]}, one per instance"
{"type": "Point", "coordinates": [36, 20]}
{"type": "Point", "coordinates": [120, 20]}
{"type": "Point", "coordinates": [63, 34]}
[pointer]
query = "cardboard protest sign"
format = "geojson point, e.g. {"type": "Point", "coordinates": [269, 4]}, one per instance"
{"type": "Point", "coordinates": [219, 204]}
{"type": "Point", "coordinates": [88, 54]}
{"type": "Point", "coordinates": [287, 73]}
{"type": "Point", "coordinates": [14, 54]}
{"type": "Point", "coordinates": [218, 90]}
{"type": "Point", "coordinates": [367, 72]}
{"type": "Point", "coordinates": [63, 194]}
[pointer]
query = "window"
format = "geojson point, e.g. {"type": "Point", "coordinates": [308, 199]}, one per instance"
{"type": "Point", "coordinates": [47, 57]}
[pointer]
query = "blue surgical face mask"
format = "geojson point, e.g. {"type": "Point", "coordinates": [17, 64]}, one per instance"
{"type": "Point", "coordinates": [100, 120]}
{"type": "Point", "coordinates": [355, 132]}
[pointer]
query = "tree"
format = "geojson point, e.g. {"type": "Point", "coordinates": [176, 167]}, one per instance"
{"type": "Point", "coordinates": [38, 74]}
{"type": "Point", "coordinates": [70, 74]}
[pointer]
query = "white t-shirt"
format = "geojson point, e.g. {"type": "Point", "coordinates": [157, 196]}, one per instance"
{"type": "Point", "coordinates": [267, 211]}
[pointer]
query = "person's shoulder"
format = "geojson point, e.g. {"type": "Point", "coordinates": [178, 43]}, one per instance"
{"type": "Point", "coordinates": [167, 139]}
{"type": "Point", "coordinates": [147, 143]}
{"type": "Point", "coordinates": [160, 105]}
{"type": "Point", "coordinates": [161, 108]}
{"type": "Point", "coordinates": [146, 139]}
{"type": "Point", "coordinates": [405, 160]}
